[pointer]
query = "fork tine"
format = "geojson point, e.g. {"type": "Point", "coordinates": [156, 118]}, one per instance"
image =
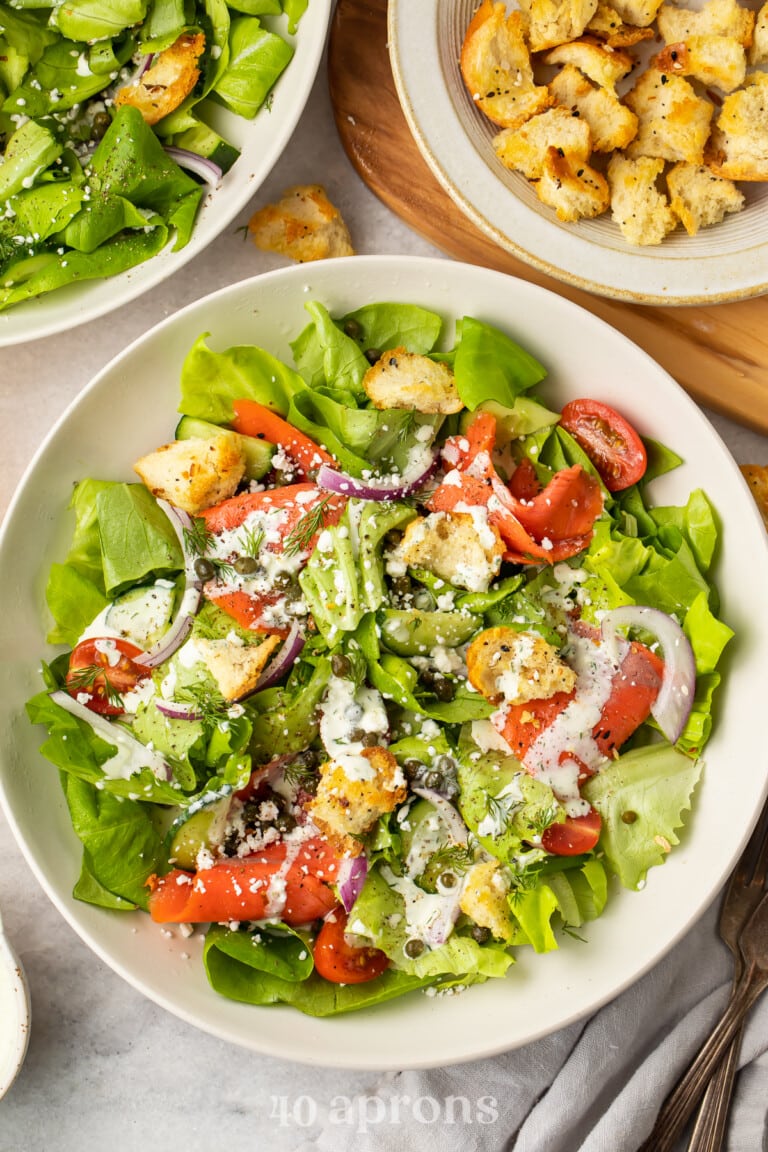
{"type": "Point", "coordinates": [753, 865]}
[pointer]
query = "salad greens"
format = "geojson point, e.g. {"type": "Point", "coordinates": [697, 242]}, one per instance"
{"type": "Point", "coordinates": [92, 96]}
{"type": "Point", "coordinates": [423, 653]}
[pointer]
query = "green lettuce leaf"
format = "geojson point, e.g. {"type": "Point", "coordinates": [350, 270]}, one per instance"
{"type": "Point", "coordinates": [489, 365]}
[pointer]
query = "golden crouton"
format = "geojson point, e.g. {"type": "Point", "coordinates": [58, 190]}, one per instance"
{"type": "Point", "coordinates": [611, 124]}
{"type": "Point", "coordinates": [236, 668]}
{"type": "Point", "coordinates": [496, 67]}
{"type": "Point", "coordinates": [403, 379]}
{"type": "Point", "coordinates": [524, 149]}
{"type": "Point", "coordinates": [168, 82]}
{"type": "Point", "coordinates": [460, 548]}
{"type": "Point", "coordinates": [552, 22]}
{"type": "Point", "coordinates": [699, 198]}
{"type": "Point", "coordinates": [345, 809]}
{"type": "Point", "coordinates": [640, 210]}
{"type": "Point", "coordinates": [304, 226]}
{"type": "Point", "coordinates": [609, 27]}
{"type": "Point", "coordinates": [674, 121]}
{"type": "Point", "coordinates": [756, 475]}
{"type": "Point", "coordinates": [573, 189]}
{"type": "Point", "coordinates": [717, 61]}
{"type": "Point", "coordinates": [194, 474]}
{"type": "Point", "coordinates": [758, 52]}
{"type": "Point", "coordinates": [715, 18]}
{"type": "Point", "coordinates": [738, 148]}
{"type": "Point", "coordinates": [602, 66]}
{"type": "Point", "coordinates": [484, 898]}
{"type": "Point", "coordinates": [516, 667]}
{"type": "Point", "coordinates": [638, 12]}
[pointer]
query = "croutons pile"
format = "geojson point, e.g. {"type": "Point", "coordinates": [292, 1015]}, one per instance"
{"type": "Point", "coordinates": [668, 149]}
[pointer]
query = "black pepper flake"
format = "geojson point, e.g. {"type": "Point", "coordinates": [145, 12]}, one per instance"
{"type": "Point", "coordinates": [663, 79]}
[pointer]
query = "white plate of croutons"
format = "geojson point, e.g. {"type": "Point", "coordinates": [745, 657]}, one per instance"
{"type": "Point", "coordinates": [621, 147]}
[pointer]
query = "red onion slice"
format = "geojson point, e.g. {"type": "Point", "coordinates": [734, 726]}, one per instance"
{"type": "Point", "coordinates": [448, 814]}
{"type": "Point", "coordinates": [132, 754]}
{"type": "Point", "coordinates": [350, 879]}
{"type": "Point", "coordinates": [386, 488]}
{"type": "Point", "coordinates": [285, 659]}
{"type": "Point", "coordinates": [200, 165]}
{"type": "Point", "coordinates": [674, 702]}
{"type": "Point", "coordinates": [190, 600]}
{"type": "Point", "coordinates": [176, 711]}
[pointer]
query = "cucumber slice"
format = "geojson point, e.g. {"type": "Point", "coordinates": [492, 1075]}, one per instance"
{"type": "Point", "coordinates": [143, 614]}
{"type": "Point", "coordinates": [202, 825]}
{"type": "Point", "coordinates": [409, 632]}
{"type": "Point", "coordinates": [207, 143]}
{"type": "Point", "coordinates": [258, 453]}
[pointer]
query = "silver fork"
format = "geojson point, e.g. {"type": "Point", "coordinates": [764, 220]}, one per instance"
{"type": "Point", "coordinates": [744, 920]}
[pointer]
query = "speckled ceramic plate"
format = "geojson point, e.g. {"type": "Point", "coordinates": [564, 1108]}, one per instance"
{"type": "Point", "coordinates": [131, 407]}
{"type": "Point", "coordinates": [261, 142]}
{"type": "Point", "coordinates": [726, 262]}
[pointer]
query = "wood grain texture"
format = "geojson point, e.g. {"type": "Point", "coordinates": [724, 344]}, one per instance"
{"type": "Point", "coordinates": [719, 352]}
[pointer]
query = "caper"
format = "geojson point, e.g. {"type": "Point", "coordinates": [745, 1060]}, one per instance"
{"type": "Point", "coordinates": [433, 780]}
{"type": "Point", "coordinates": [246, 565]}
{"type": "Point", "coordinates": [447, 879]}
{"type": "Point", "coordinates": [480, 935]}
{"type": "Point", "coordinates": [402, 585]}
{"type": "Point", "coordinates": [283, 580]}
{"type": "Point", "coordinates": [413, 948]}
{"type": "Point", "coordinates": [371, 740]}
{"type": "Point", "coordinates": [307, 759]}
{"type": "Point", "coordinates": [628, 817]}
{"type": "Point", "coordinates": [372, 355]}
{"type": "Point", "coordinates": [352, 329]}
{"type": "Point", "coordinates": [341, 665]}
{"type": "Point", "coordinates": [412, 769]}
{"type": "Point", "coordinates": [101, 122]}
{"type": "Point", "coordinates": [445, 764]}
{"type": "Point", "coordinates": [204, 569]}
{"type": "Point", "coordinates": [285, 822]}
{"type": "Point", "coordinates": [445, 690]}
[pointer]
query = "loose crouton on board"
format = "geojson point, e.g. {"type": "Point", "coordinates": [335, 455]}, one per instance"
{"type": "Point", "coordinates": [756, 475]}
{"type": "Point", "coordinates": [403, 379]}
{"type": "Point", "coordinates": [715, 61]}
{"type": "Point", "coordinates": [699, 198]}
{"type": "Point", "coordinates": [674, 121]}
{"type": "Point", "coordinates": [738, 147]}
{"type": "Point", "coordinates": [168, 82]}
{"type": "Point", "coordinates": [640, 210]}
{"type": "Point", "coordinates": [194, 474]}
{"type": "Point", "coordinates": [344, 809]}
{"type": "Point", "coordinates": [496, 66]}
{"type": "Point", "coordinates": [303, 225]}
{"type": "Point", "coordinates": [611, 124]}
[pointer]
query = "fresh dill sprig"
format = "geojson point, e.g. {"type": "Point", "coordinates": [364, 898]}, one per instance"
{"type": "Point", "coordinates": [543, 817]}
{"type": "Point", "coordinates": [205, 700]}
{"type": "Point", "coordinates": [453, 857]}
{"type": "Point", "coordinates": [305, 528]}
{"type": "Point", "coordinates": [500, 808]}
{"type": "Point", "coordinates": [407, 424]}
{"type": "Point", "coordinates": [298, 774]}
{"type": "Point", "coordinates": [250, 541]}
{"type": "Point", "coordinates": [91, 676]}
{"type": "Point", "coordinates": [198, 537]}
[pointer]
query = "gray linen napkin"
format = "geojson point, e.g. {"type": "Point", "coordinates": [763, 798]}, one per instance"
{"type": "Point", "coordinates": [595, 1086]}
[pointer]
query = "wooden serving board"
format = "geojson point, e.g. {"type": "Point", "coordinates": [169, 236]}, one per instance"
{"type": "Point", "coordinates": [718, 352]}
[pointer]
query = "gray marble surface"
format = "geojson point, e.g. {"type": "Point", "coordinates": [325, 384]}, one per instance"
{"type": "Point", "coordinates": [105, 1067]}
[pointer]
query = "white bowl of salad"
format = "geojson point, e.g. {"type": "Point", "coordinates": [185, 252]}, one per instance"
{"type": "Point", "coordinates": [402, 628]}
{"type": "Point", "coordinates": [131, 135]}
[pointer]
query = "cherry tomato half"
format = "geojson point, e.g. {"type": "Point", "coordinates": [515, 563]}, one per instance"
{"type": "Point", "coordinates": [575, 835]}
{"type": "Point", "coordinates": [341, 962]}
{"type": "Point", "coordinates": [609, 440]}
{"type": "Point", "coordinates": [103, 670]}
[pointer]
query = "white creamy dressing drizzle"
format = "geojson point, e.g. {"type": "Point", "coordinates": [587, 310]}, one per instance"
{"type": "Point", "coordinates": [277, 891]}
{"type": "Point", "coordinates": [346, 708]}
{"type": "Point", "coordinates": [571, 730]}
{"type": "Point", "coordinates": [429, 916]}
